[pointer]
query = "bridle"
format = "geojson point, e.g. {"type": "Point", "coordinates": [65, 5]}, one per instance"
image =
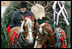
{"type": "Point", "coordinates": [23, 39]}
{"type": "Point", "coordinates": [44, 33]}
{"type": "Point", "coordinates": [29, 26]}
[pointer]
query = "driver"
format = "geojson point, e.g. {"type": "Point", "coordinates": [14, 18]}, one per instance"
{"type": "Point", "coordinates": [16, 17]}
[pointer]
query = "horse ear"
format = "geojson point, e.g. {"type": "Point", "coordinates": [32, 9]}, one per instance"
{"type": "Point", "coordinates": [33, 18]}
{"type": "Point", "coordinates": [44, 25]}
{"type": "Point", "coordinates": [37, 24]}
{"type": "Point", "coordinates": [23, 18]}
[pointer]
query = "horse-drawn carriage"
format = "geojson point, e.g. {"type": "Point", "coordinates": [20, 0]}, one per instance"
{"type": "Point", "coordinates": [47, 35]}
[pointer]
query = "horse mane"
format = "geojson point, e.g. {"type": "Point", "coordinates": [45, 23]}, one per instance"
{"type": "Point", "coordinates": [28, 21]}
{"type": "Point", "coordinates": [43, 25]}
{"type": "Point", "coordinates": [22, 27]}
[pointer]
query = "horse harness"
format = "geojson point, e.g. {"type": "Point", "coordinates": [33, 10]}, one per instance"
{"type": "Point", "coordinates": [24, 41]}
{"type": "Point", "coordinates": [58, 39]}
{"type": "Point", "coordinates": [20, 40]}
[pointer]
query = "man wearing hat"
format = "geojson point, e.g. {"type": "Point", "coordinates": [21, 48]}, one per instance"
{"type": "Point", "coordinates": [16, 17]}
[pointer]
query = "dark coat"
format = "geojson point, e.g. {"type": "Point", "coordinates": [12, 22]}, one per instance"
{"type": "Point", "coordinates": [16, 17]}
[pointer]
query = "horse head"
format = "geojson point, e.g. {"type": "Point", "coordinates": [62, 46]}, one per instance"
{"type": "Point", "coordinates": [42, 34]}
{"type": "Point", "coordinates": [29, 29]}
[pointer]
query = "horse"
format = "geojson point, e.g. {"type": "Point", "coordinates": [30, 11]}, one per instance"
{"type": "Point", "coordinates": [24, 38]}
{"type": "Point", "coordinates": [48, 37]}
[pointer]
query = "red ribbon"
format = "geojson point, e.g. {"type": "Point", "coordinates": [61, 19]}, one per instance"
{"type": "Point", "coordinates": [45, 45]}
{"type": "Point", "coordinates": [47, 21]}
{"type": "Point", "coordinates": [28, 16]}
{"type": "Point", "coordinates": [14, 36]}
{"type": "Point", "coordinates": [62, 41]}
{"type": "Point", "coordinates": [8, 29]}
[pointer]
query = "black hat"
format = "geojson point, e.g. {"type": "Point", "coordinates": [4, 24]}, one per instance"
{"type": "Point", "coordinates": [23, 5]}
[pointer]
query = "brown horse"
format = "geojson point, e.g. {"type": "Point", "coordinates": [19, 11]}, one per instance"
{"type": "Point", "coordinates": [49, 35]}
{"type": "Point", "coordinates": [26, 37]}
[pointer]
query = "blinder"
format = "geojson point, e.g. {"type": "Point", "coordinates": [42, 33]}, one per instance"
{"type": "Point", "coordinates": [44, 33]}
{"type": "Point", "coordinates": [24, 27]}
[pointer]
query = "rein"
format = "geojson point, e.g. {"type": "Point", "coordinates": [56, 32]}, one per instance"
{"type": "Point", "coordinates": [45, 32]}
{"type": "Point", "coordinates": [22, 42]}
{"type": "Point", "coordinates": [42, 35]}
